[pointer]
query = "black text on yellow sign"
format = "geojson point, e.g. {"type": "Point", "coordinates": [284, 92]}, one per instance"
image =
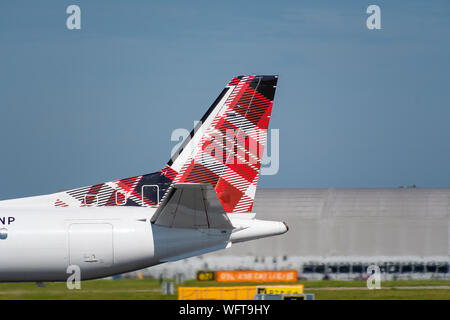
{"type": "Point", "coordinates": [206, 275]}
{"type": "Point", "coordinates": [280, 289]}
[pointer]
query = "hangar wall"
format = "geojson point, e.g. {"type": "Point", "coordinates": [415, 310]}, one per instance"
{"type": "Point", "coordinates": [404, 231]}
{"type": "Point", "coordinates": [353, 222]}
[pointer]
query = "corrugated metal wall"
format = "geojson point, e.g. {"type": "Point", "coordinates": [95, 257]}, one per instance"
{"type": "Point", "coordinates": [353, 222]}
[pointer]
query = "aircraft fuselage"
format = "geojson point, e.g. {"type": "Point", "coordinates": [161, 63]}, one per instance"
{"type": "Point", "coordinates": [39, 245]}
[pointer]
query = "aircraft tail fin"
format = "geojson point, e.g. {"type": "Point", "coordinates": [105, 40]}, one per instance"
{"type": "Point", "coordinates": [224, 150]}
{"type": "Point", "coordinates": [226, 147]}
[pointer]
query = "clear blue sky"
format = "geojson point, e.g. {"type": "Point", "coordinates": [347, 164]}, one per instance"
{"type": "Point", "coordinates": [355, 108]}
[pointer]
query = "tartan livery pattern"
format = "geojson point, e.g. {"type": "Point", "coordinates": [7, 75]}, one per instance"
{"type": "Point", "coordinates": [230, 151]}
{"type": "Point", "coordinates": [225, 150]}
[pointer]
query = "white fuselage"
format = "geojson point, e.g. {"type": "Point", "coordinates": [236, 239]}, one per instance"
{"type": "Point", "coordinates": [40, 244]}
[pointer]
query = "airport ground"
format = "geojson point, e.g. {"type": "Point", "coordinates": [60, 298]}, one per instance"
{"type": "Point", "coordinates": [150, 289]}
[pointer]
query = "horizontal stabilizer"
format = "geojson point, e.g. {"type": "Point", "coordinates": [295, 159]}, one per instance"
{"type": "Point", "coordinates": [192, 206]}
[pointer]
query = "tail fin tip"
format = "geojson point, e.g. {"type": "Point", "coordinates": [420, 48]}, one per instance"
{"type": "Point", "coordinates": [226, 147]}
